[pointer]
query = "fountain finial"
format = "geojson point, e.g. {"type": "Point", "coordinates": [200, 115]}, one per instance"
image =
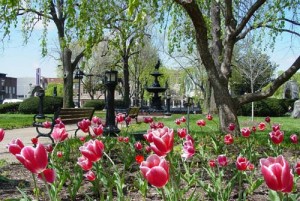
{"type": "Point", "coordinates": [157, 65]}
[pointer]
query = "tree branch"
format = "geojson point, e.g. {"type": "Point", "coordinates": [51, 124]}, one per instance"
{"type": "Point", "coordinates": [247, 98]}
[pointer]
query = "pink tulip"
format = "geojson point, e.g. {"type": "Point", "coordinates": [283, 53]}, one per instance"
{"type": "Point", "coordinates": [127, 120]}
{"type": "Point", "coordinates": [297, 168]}
{"type": "Point", "coordinates": [228, 139]}
{"type": "Point", "coordinates": [231, 126]}
{"type": "Point", "coordinates": [96, 120]}
{"type": "Point", "coordinates": [34, 159]}
{"type": "Point", "coordinates": [277, 174]}
{"type": "Point", "coordinates": [261, 126]}
{"type": "Point", "coordinates": [250, 167]}
{"type": "Point", "coordinates": [276, 137]}
{"type": "Point", "coordinates": [48, 175]}
{"type": "Point", "coordinates": [156, 170]}
{"type": "Point", "coordinates": [201, 122]}
{"type": "Point", "coordinates": [188, 149]}
{"type": "Point", "coordinates": [189, 137]}
{"type": "Point", "coordinates": [59, 154]}
{"type": "Point", "coordinates": [84, 125]}
{"type": "Point", "coordinates": [92, 150]}
{"type": "Point", "coordinates": [241, 163]}
{"type": "Point", "coordinates": [148, 120]}
{"type": "Point", "coordinates": [209, 117]}
{"type": "Point", "coordinates": [90, 175]}
{"type": "Point", "coordinates": [2, 133]}
{"type": "Point", "coordinates": [163, 139]}
{"type": "Point", "coordinates": [34, 140]}
{"type": "Point", "coordinates": [246, 132]}
{"type": "Point", "coordinates": [120, 117]}
{"type": "Point", "coordinates": [268, 119]}
{"type": "Point", "coordinates": [138, 146]}
{"type": "Point", "coordinates": [294, 138]}
{"type": "Point", "coordinates": [276, 127]}
{"type": "Point", "coordinates": [254, 129]}
{"type": "Point", "coordinates": [126, 139]}
{"type": "Point", "coordinates": [212, 163]}
{"type": "Point", "coordinates": [181, 132]}
{"type": "Point", "coordinates": [49, 148]}
{"type": "Point", "coordinates": [84, 163]}
{"type": "Point", "coordinates": [98, 130]}
{"type": "Point", "coordinates": [222, 160]}
{"type": "Point", "coordinates": [177, 121]}
{"type": "Point", "coordinates": [47, 124]}
{"type": "Point", "coordinates": [59, 134]}
{"type": "Point", "coordinates": [15, 146]}
{"type": "Point", "coordinates": [183, 119]}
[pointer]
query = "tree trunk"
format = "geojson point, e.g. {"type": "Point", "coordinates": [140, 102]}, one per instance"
{"type": "Point", "coordinates": [126, 98]}
{"type": "Point", "coordinates": [68, 79]}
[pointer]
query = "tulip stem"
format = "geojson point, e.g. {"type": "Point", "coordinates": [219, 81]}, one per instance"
{"type": "Point", "coordinates": [163, 194]}
{"type": "Point", "coordinates": [36, 192]}
{"type": "Point", "coordinates": [46, 184]}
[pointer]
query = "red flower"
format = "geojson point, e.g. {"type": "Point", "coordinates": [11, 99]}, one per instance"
{"type": "Point", "coordinates": [126, 139]}
{"type": "Point", "coordinates": [156, 170]}
{"type": "Point", "coordinates": [246, 132]}
{"type": "Point", "coordinates": [59, 154]}
{"type": "Point", "coordinates": [222, 160]}
{"type": "Point", "coordinates": [120, 138]}
{"type": "Point", "coordinates": [139, 159]}
{"type": "Point", "coordinates": [294, 138]}
{"type": "Point", "coordinates": [138, 146]}
{"type": "Point", "coordinates": [148, 120]}
{"type": "Point", "coordinates": [250, 167]}
{"type": "Point", "coordinates": [98, 130]}
{"type": "Point", "coordinates": [82, 139]}
{"type": "Point", "coordinates": [128, 120]}
{"type": "Point", "coordinates": [84, 125]}
{"type": "Point", "coordinates": [183, 119]}
{"type": "Point", "coordinates": [34, 159]}
{"type": "Point", "coordinates": [96, 121]}
{"type": "Point", "coordinates": [59, 134]}
{"type": "Point", "coordinates": [15, 146]}
{"type": "Point", "coordinates": [209, 117]}
{"type": "Point", "coordinates": [34, 140]}
{"type": "Point", "coordinates": [231, 126]}
{"type": "Point", "coordinates": [228, 139]}
{"type": "Point", "coordinates": [47, 124]}
{"type": "Point", "coordinates": [84, 163]}
{"type": "Point", "coordinates": [275, 127]}
{"type": "Point", "coordinates": [261, 126]}
{"type": "Point", "coordinates": [177, 121]}
{"type": "Point", "coordinates": [48, 175]}
{"type": "Point", "coordinates": [90, 175]}
{"type": "Point", "coordinates": [254, 129]}
{"type": "Point", "coordinates": [160, 125]}
{"type": "Point", "coordinates": [49, 148]}
{"type": "Point", "coordinates": [241, 163]}
{"type": "Point", "coordinates": [267, 119]}
{"type": "Point", "coordinates": [188, 149]}
{"type": "Point", "coordinates": [297, 168]}
{"type": "Point", "coordinates": [276, 137]}
{"type": "Point", "coordinates": [120, 117]}
{"type": "Point", "coordinates": [2, 133]}
{"type": "Point", "coordinates": [148, 149]}
{"type": "Point", "coordinates": [201, 122]}
{"type": "Point", "coordinates": [163, 139]}
{"type": "Point", "coordinates": [92, 150]}
{"type": "Point", "coordinates": [212, 163]}
{"type": "Point", "coordinates": [189, 137]}
{"type": "Point", "coordinates": [277, 174]}
{"type": "Point", "coordinates": [182, 132]}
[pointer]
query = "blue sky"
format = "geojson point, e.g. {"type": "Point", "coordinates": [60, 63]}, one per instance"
{"type": "Point", "coordinates": [18, 60]}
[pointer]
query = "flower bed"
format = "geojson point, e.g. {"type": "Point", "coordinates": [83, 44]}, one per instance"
{"type": "Point", "coordinates": [170, 164]}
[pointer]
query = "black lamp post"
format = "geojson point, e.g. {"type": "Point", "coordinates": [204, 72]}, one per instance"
{"type": "Point", "coordinates": [168, 100]}
{"type": "Point", "coordinates": [79, 75]}
{"type": "Point", "coordinates": [110, 81]}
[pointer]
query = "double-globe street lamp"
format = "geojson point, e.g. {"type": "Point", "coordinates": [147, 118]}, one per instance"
{"type": "Point", "coordinates": [110, 81]}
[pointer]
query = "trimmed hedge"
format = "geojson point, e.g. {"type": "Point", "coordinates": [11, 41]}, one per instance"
{"type": "Point", "coordinates": [267, 107]}
{"type": "Point", "coordinates": [9, 107]}
{"type": "Point", "coordinates": [31, 105]}
{"type": "Point", "coordinates": [97, 104]}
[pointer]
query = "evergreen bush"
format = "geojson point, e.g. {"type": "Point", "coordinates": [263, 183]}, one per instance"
{"type": "Point", "coordinates": [9, 107]}
{"type": "Point", "coordinates": [31, 105]}
{"type": "Point", "coordinates": [97, 104]}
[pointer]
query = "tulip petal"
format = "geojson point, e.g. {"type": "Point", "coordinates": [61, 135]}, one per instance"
{"type": "Point", "coordinates": [49, 175]}
{"type": "Point", "coordinates": [157, 177]}
{"type": "Point", "coordinates": [270, 178]}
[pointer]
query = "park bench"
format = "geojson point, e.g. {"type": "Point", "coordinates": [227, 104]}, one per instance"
{"type": "Point", "coordinates": [67, 115]}
{"type": "Point", "coordinates": [132, 112]}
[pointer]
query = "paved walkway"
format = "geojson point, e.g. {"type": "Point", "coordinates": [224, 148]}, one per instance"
{"type": "Point", "coordinates": [25, 134]}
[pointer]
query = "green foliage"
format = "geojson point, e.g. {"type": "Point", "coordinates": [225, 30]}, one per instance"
{"type": "Point", "coordinates": [97, 104]}
{"type": "Point", "coordinates": [30, 105]}
{"type": "Point", "coordinates": [268, 107]}
{"type": "Point", "coordinates": [50, 89]}
{"type": "Point", "coordinates": [9, 107]}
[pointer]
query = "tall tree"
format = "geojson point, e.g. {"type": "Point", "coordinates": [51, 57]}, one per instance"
{"type": "Point", "coordinates": [80, 21]}
{"type": "Point", "coordinates": [217, 26]}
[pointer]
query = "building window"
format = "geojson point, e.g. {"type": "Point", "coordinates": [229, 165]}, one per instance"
{"type": "Point", "coordinates": [14, 90]}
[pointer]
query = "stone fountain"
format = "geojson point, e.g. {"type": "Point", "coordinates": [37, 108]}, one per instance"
{"type": "Point", "coordinates": [156, 89]}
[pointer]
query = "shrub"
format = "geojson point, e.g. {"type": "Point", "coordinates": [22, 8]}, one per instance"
{"type": "Point", "coordinates": [31, 105]}
{"type": "Point", "coordinates": [120, 104]}
{"type": "Point", "coordinates": [267, 107]}
{"type": "Point", "coordinates": [97, 104]}
{"type": "Point", "coordinates": [9, 107]}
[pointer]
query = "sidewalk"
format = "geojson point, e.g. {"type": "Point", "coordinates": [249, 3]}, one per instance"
{"type": "Point", "coordinates": [25, 134]}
